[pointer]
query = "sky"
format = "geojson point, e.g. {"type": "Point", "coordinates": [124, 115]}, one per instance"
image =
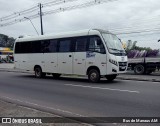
{"type": "Point", "coordinates": [119, 16]}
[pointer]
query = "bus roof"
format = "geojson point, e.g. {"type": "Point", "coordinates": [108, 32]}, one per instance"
{"type": "Point", "coordinates": [62, 35]}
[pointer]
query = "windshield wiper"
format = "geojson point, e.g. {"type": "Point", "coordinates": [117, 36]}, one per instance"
{"type": "Point", "coordinates": [114, 49]}
{"type": "Point", "coordinates": [117, 50]}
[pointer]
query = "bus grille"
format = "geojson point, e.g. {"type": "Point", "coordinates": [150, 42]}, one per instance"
{"type": "Point", "coordinates": [122, 66]}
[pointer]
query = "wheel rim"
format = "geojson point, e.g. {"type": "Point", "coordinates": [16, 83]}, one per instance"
{"type": "Point", "coordinates": [93, 76]}
{"type": "Point", "coordinates": [38, 73]}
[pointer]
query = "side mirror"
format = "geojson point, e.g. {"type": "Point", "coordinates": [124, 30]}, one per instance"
{"type": "Point", "coordinates": [158, 40]}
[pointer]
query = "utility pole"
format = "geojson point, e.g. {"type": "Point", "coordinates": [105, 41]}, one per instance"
{"type": "Point", "coordinates": [40, 7]}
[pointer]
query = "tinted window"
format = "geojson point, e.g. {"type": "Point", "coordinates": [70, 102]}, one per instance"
{"type": "Point", "coordinates": [81, 44]}
{"type": "Point", "coordinates": [36, 47]}
{"type": "Point", "coordinates": [26, 47]}
{"type": "Point", "coordinates": [45, 46]}
{"type": "Point", "coordinates": [23, 47]}
{"type": "Point", "coordinates": [96, 45]}
{"type": "Point", "coordinates": [49, 46]}
{"type": "Point", "coordinates": [53, 46]}
{"type": "Point", "coordinates": [18, 47]}
{"type": "Point", "coordinates": [65, 46]}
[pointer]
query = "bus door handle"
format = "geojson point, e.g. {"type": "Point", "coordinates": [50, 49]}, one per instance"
{"type": "Point", "coordinates": [42, 62]}
{"type": "Point", "coordinates": [24, 61]}
{"type": "Point", "coordinates": [70, 55]}
{"type": "Point", "coordinates": [52, 62]}
{"type": "Point", "coordinates": [63, 62]}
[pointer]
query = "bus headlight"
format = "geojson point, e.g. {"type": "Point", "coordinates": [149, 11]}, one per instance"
{"type": "Point", "coordinates": [113, 62]}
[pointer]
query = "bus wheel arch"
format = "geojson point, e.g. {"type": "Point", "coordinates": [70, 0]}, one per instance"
{"type": "Point", "coordinates": [93, 73]}
{"type": "Point", "coordinates": [38, 72]}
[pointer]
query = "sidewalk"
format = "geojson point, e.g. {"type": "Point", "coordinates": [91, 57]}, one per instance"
{"type": "Point", "coordinates": [13, 110]}
{"type": "Point", "coordinates": [6, 65]}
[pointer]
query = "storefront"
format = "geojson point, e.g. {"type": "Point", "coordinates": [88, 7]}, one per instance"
{"type": "Point", "coordinates": [6, 54]}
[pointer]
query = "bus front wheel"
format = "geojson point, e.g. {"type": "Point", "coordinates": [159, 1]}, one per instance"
{"type": "Point", "coordinates": [39, 73]}
{"type": "Point", "coordinates": [94, 76]}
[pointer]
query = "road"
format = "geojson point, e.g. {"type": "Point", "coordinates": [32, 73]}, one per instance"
{"type": "Point", "coordinates": [78, 97]}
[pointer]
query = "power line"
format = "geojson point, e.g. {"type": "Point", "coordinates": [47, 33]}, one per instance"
{"type": "Point", "coordinates": [16, 14]}
{"type": "Point", "coordinates": [87, 4]}
{"type": "Point", "coordinates": [53, 3]}
{"type": "Point", "coordinates": [135, 28]}
{"type": "Point", "coordinates": [135, 32]}
{"type": "Point", "coordinates": [118, 31]}
{"type": "Point", "coordinates": [78, 6]}
{"type": "Point", "coordinates": [140, 34]}
{"type": "Point", "coordinates": [32, 9]}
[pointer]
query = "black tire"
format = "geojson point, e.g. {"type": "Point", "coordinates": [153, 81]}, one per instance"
{"type": "Point", "coordinates": [39, 73]}
{"type": "Point", "coordinates": [94, 76]}
{"type": "Point", "coordinates": [111, 77]}
{"type": "Point", "coordinates": [56, 76]}
{"type": "Point", "coordinates": [139, 69]}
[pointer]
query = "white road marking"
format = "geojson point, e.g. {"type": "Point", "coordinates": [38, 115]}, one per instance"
{"type": "Point", "coordinates": [111, 89]}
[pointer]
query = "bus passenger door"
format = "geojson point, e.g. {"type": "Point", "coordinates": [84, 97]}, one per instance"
{"type": "Point", "coordinates": [65, 57]}
{"type": "Point", "coordinates": [79, 59]}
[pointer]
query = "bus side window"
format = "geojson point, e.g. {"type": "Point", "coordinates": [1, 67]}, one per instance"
{"type": "Point", "coordinates": [36, 47]}
{"type": "Point", "coordinates": [65, 45]}
{"type": "Point", "coordinates": [96, 45]}
{"type": "Point", "coordinates": [49, 46]}
{"type": "Point", "coordinates": [18, 47]}
{"type": "Point", "coordinates": [81, 44]}
{"type": "Point", "coordinates": [26, 47]}
{"type": "Point", "coordinates": [45, 46]}
{"type": "Point", "coordinates": [53, 46]}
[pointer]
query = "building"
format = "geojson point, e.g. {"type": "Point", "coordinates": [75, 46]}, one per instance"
{"type": "Point", "coordinates": [6, 54]}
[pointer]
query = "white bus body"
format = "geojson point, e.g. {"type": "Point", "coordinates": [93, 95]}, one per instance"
{"type": "Point", "coordinates": [96, 53]}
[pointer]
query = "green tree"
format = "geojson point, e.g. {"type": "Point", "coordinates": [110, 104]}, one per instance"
{"type": "Point", "coordinates": [6, 41]}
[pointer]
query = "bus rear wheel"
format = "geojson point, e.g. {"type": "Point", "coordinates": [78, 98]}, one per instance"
{"type": "Point", "coordinates": [94, 76]}
{"type": "Point", "coordinates": [39, 73]}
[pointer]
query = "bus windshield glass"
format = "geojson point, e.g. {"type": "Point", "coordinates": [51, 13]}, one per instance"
{"type": "Point", "coordinates": [113, 43]}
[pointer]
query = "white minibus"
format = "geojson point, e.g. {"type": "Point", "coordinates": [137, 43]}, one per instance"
{"type": "Point", "coordinates": [94, 53]}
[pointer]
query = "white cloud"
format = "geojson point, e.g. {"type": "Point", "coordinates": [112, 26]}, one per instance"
{"type": "Point", "coordinates": [121, 14]}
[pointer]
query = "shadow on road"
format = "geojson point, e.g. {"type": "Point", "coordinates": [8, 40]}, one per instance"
{"type": "Point", "coordinates": [72, 79]}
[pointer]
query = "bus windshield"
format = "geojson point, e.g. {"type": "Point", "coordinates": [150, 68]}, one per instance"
{"type": "Point", "coordinates": [113, 43]}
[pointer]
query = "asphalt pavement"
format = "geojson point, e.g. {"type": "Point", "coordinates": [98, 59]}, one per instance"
{"type": "Point", "coordinates": [75, 105]}
{"type": "Point", "coordinates": [78, 98]}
